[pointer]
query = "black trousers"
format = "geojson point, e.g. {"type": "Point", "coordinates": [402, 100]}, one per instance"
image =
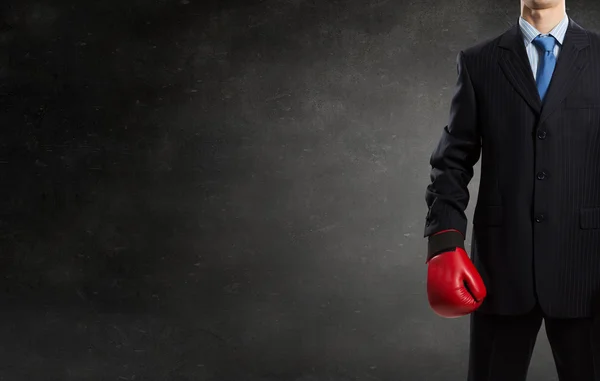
{"type": "Point", "coordinates": [501, 347]}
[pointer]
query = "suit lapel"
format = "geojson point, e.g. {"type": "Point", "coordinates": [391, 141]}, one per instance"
{"type": "Point", "coordinates": [516, 67]}
{"type": "Point", "coordinates": [571, 63]}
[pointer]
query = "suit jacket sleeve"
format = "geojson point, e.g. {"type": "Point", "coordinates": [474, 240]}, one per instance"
{"type": "Point", "coordinates": [452, 161]}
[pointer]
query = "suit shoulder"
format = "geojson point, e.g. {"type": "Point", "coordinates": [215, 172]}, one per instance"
{"type": "Point", "coordinates": [482, 48]}
{"type": "Point", "coordinates": [480, 56]}
{"type": "Point", "coordinates": [591, 33]}
{"type": "Point", "coordinates": [593, 36]}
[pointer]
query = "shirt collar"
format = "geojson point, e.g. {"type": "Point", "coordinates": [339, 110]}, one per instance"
{"type": "Point", "coordinates": [529, 32]}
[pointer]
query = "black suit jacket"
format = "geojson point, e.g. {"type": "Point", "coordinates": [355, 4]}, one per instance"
{"type": "Point", "coordinates": [536, 225]}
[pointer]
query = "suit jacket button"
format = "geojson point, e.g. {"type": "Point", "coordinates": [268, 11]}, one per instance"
{"type": "Point", "coordinates": [541, 175]}
{"type": "Point", "coordinates": [542, 135]}
{"type": "Point", "coordinates": [539, 218]}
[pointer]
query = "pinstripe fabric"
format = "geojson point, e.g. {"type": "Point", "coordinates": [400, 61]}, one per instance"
{"type": "Point", "coordinates": [536, 224]}
{"type": "Point", "coordinates": [530, 33]}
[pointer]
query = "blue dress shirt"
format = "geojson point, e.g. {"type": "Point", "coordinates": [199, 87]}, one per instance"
{"type": "Point", "coordinates": [529, 33]}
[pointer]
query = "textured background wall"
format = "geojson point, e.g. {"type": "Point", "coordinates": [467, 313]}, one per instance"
{"type": "Point", "coordinates": [229, 192]}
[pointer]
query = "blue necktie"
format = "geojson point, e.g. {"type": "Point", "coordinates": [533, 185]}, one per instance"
{"type": "Point", "coordinates": [546, 64]}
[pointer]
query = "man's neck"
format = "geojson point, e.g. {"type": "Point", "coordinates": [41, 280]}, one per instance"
{"type": "Point", "coordinates": [544, 20]}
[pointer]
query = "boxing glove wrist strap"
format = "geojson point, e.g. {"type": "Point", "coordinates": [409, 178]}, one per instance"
{"type": "Point", "coordinates": [441, 243]}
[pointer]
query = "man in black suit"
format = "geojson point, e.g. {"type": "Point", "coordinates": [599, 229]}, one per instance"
{"type": "Point", "coordinates": [528, 104]}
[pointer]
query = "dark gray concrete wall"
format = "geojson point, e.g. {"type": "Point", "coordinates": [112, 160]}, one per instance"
{"type": "Point", "coordinates": [194, 191]}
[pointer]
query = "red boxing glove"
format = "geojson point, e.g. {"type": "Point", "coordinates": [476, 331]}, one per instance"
{"type": "Point", "coordinates": [454, 287]}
